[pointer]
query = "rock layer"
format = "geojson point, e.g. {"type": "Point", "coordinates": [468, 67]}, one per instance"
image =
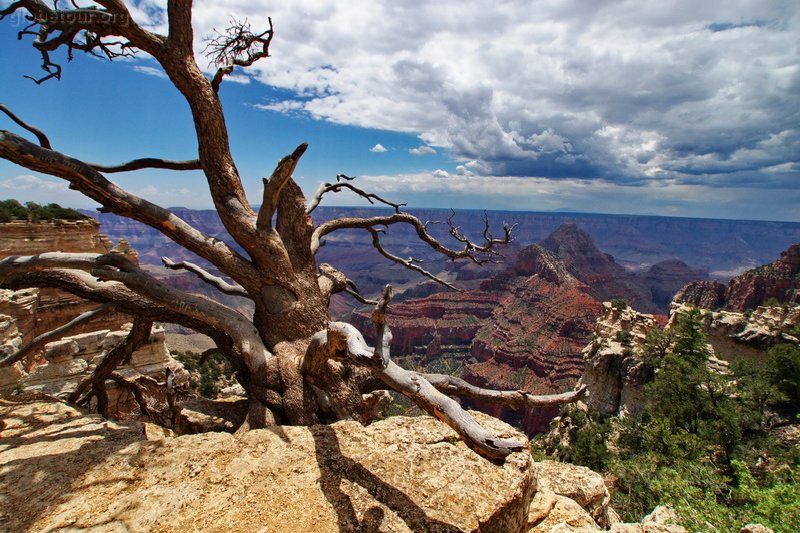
{"type": "Point", "coordinates": [779, 280]}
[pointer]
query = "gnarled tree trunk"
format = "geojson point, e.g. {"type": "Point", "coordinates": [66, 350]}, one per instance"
{"type": "Point", "coordinates": [296, 365]}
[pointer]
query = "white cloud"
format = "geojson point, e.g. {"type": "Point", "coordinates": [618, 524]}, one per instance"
{"type": "Point", "coordinates": [29, 182]}
{"type": "Point", "coordinates": [150, 71]}
{"type": "Point", "coordinates": [378, 148]}
{"type": "Point", "coordinates": [422, 150]}
{"type": "Point", "coordinates": [30, 188]}
{"type": "Point", "coordinates": [608, 89]}
{"type": "Point", "coordinates": [439, 173]}
{"type": "Point", "coordinates": [634, 93]}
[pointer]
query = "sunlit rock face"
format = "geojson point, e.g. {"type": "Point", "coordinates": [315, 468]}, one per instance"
{"type": "Point", "coordinates": [76, 471]}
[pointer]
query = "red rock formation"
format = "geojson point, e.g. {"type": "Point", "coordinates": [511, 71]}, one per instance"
{"type": "Point", "coordinates": [779, 280]}
{"type": "Point", "coordinates": [606, 279]}
{"type": "Point", "coordinates": [533, 342]}
{"type": "Point", "coordinates": [523, 329]}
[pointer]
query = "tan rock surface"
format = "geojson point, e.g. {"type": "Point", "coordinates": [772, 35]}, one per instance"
{"type": "Point", "coordinates": [61, 469]}
{"type": "Point", "coordinates": [578, 483]}
{"type": "Point", "coordinates": [566, 515]}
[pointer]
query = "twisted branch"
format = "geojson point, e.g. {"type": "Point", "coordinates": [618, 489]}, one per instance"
{"type": "Point", "coordinates": [453, 386]}
{"type": "Point", "coordinates": [215, 281]}
{"type": "Point", "coordinates": [44, 142]}
{"type": "Point", "coordinates": [471, 249]}
{"type": "Point", "coordinates": [342, 183]}
{"type": "Point", "coordinates": [238, 46]}
{"type": "Point", "coordinates": [148, 162]}
{"type": "Point", "coordinates": [89, 181]}
{"type": "Point", "coordinates": [83, 29]}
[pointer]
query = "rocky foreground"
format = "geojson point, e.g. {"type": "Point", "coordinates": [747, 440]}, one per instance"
{"type": "Point", "coordinates": [61, 469]}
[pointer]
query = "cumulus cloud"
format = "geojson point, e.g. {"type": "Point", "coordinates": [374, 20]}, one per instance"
{"type": "Point", "coordinates": [422, 150]}
{"type": "Point", "coordinates": [637, 94]}
{"type": "Point", "coordinates": [439, 173]}
{"type": "Point", "coordinates": [29, 182]}
{"type": "Point", "coordinates": [378, 148]}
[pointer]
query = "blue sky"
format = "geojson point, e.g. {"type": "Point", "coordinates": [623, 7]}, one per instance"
{"type": "Point", "coordinates": [667, 108]}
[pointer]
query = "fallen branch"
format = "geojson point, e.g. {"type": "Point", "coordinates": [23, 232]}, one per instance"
{"type": "Point", "coordinates": [453, 386]}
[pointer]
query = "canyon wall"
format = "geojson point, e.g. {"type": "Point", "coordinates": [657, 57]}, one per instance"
{"type": "Point", "coordinates": [778, 280]}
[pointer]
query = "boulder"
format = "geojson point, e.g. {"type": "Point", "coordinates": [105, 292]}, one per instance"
{"type": "Point", "coordinates": [578, 483]}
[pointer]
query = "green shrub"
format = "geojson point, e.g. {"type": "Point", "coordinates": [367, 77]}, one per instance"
{"type": "Point", "coordinates": [13, 210]}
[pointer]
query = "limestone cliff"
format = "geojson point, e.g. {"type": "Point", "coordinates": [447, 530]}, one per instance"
{"type": "Point", "coordinates": [74, 471]}
{"type": "Point", "coordinates": [614, 370]}
{"type": "Point", "coordinates": [615, 367]}
{"type": "Point", "coordinates": [26, 314]}
{"type": "Point", "coordinates": [39, 311]}
{"type": "Point", "coordinates": [750, 334]}
{"type": "Point", "coordinates": [28, 238]}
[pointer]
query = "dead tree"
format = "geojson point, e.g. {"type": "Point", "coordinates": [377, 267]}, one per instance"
{"type": "Point", "coordinates": [296, 365]}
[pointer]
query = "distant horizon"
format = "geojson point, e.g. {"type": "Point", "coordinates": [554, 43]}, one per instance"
{"type": "Point", "coordinates": [480, 210]}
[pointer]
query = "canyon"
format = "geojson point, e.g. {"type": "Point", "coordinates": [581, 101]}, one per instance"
{"type": "Point", "coordinates": [525, 327]}
{"type": "Point", "coordinates": [723, 248]}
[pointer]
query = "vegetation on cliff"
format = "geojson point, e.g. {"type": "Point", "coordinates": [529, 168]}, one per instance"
{"type": "Point", "coordinates": [705, 443]}
{"type": "Point", "coordinates": [33, 212]}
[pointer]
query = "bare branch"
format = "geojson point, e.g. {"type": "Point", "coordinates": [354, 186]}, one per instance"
{"type": "Point", "coordinates": [273, 186]}
{"type": "Point", "coordinates": [408, 263]}
{"type": "Point", "coordinates": [353, 291]}
{"type": "Point", "coordinates": [44, 142]}
{"type": "Point", "coordinates": [416, 387]}
{"type": "Point", "coordinates": [234, 289]}
{"type": "Point", "coordinates": [137, 390]}
{"type": "Point", "coordinates": [148, 162]}
{"type": "Point", "coordinates": [90, 182]}
{"type": "Point", "coordinates": [343, 341]}
{"type": "Point", "coordinates": [139, 335]}
{"type": "Point", "coordinates": [471, 249]}
{"type": "Point", "coordinates": [116, 267]}
{"type": "Point", "coordinates": [56, 334]}
{"type": "Point", "coordinates": [83, 29]}
{"type": "Point", "coordinates": [453, 386]}
{"type": "Point", "coordinates": [338, 186]}
{"type": "Point", "coordinates": [331, 281]}
{"type": "Point", "coordinates": [237, 47]}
